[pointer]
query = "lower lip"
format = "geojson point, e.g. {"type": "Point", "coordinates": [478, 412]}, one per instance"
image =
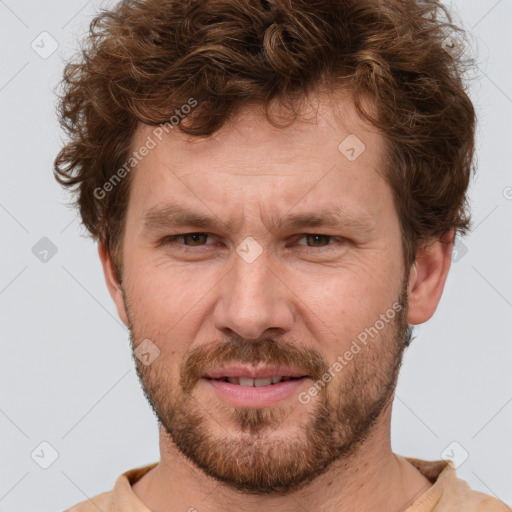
{"type": "Point", "coordinates": [255, 398]}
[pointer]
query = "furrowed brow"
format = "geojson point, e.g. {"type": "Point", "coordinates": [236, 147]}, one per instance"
{"type": "Point", "coordinates": [332, 218]}
{"type": "Point", "coordinates": [172, 216]}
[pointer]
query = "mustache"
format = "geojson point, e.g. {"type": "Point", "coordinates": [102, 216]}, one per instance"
{"type": "Point", "coordinates": [268, 351]}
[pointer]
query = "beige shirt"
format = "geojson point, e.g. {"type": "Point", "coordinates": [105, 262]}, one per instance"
{"type": "Point", "coordinates": [447, 494]}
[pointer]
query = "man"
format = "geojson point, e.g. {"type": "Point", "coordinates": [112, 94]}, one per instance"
{"type": "Point", "coordinates": [275, 187]}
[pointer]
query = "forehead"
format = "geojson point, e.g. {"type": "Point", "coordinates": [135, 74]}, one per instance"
{"type": "Point", "coordinates": [327, 156]}
{"type": "Point", "coordinates": [325, 121]}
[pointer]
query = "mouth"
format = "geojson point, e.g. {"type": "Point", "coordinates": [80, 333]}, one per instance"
{"type": "Point", "coordinates": [257, 383]}
{"type": "Point", "coordinates": [252, 376]}
{"type": "Point", "coordinates": [251, 387]}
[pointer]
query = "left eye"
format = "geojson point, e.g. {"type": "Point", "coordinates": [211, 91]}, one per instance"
{"type": "Point", "coordinates": [316, 239]}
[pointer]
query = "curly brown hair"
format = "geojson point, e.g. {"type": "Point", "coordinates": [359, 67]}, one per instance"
{"type": "Point", "coordinates": [144, 59]}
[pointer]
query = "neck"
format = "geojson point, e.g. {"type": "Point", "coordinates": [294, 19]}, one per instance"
{"type": "Point", "coordinates": [372, 478]}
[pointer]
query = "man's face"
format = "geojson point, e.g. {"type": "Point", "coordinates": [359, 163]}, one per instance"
{"type": "Point", "coordinates": [288, 301]}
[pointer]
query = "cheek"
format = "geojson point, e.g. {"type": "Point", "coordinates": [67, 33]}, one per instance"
{"type": "Point", "coordinates": [343, 302]}
{"type": "Point", "coordinates": [167, 299]}
{"type": "Point", "coordinates": [160, 315]}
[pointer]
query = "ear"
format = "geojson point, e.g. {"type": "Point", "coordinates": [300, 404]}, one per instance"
{"type": "Point", "coordinates": [113, 285]}
{"type": "Point", "coordinates": [427, 278]}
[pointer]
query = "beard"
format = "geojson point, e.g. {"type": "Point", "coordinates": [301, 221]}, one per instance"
{"type": "Point", "coordinates": [258, 457]}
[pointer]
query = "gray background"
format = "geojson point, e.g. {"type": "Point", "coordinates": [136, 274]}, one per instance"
{"type": "Point", "coordinates": [67, 377]}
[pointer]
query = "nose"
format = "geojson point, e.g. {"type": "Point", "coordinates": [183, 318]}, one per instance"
{"type": "Point", "coordinates": [253, 299]}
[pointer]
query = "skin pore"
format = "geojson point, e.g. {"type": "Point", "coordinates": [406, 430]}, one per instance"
{"type": "Point", "coordinates": [313, 289]}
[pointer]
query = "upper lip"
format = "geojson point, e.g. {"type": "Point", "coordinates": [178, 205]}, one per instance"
{"type": "Point", "coordinates": [250, 372]}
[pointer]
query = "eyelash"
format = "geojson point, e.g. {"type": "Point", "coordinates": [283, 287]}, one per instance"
{"type": "Point", "coordinates": [172, 240]}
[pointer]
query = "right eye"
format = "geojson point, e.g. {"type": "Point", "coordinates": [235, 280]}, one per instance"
{"type": "Point", "coordinates": [194, 238]}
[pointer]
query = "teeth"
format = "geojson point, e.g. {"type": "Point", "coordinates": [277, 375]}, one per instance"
{"type": "Point", "coordinates": [242, 381]}
{"type": "Point", "coordinates": [262, 382]}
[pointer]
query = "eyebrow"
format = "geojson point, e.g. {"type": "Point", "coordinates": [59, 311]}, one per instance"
{"type": "Point", "coordinates": [173, 215]}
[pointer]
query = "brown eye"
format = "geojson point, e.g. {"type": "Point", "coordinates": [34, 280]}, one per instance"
{"type": "Point", "coordinates": [194, 238]}
{"type": "Point", "coordinates": [316, 240]}
{"type": "Point", "coordinates": [186, 239]}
